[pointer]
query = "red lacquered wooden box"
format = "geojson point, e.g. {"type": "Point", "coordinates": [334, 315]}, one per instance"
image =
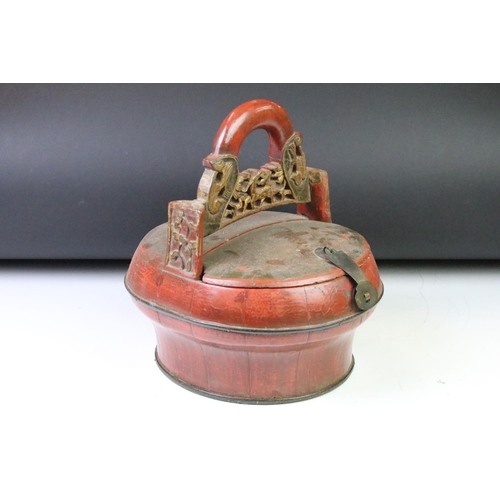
{"type": "Point", "coordinates": [255, 306]}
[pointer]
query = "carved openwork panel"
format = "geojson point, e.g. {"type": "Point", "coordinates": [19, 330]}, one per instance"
{"type": "Point", "coordinates": [230, 195]}
{"type": "Point", "coordinates": [185, 237]}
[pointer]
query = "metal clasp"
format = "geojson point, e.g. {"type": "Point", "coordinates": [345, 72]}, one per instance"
{"type": "Point", "coordinates": [366, 295]}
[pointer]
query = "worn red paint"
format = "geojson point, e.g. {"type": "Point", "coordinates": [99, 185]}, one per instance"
{"type": "Point", "coordinates": [268, 336]}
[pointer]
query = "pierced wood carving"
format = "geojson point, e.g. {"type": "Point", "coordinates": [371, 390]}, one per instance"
{"type": "Point", "coordinates": [230, 195]}
{"type": "Point", "coordinates": [185, 237]}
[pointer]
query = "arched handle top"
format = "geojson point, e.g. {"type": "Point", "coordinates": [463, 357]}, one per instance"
{"type": "Point", "coordinates": [226, 195]}
{"type": "Point", "coordinates": [250, 116]}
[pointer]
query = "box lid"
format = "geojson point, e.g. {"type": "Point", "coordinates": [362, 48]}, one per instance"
{"type": "Point", "coordinates": [277, 250]}
{"type": "Point", "coordinates": [221, 260]}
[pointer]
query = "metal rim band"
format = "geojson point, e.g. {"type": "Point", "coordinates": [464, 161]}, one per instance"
{"type": "Point", "coordinates": [253, 331]}
{"type": "Point", "coordinates": [239, 400]}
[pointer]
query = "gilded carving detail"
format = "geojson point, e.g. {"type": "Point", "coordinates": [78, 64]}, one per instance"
{"type": "Point", "coordinates": [230, 195]}
{"type": "Point", "coordinates": [294, 163]}
{"type": "Point", "coordinates": [183, 236]}
{"type": "Point", "coordinates": [219, 193]}
{"type": "Point", "coordinates": [256, 190]}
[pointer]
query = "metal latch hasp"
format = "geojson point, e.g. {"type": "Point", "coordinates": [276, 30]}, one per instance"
{"type": "Point", "coordinates": [366, 295]}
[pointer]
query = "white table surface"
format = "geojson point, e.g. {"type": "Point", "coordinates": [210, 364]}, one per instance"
{"type": "Point", "coordinates": [86, 413]}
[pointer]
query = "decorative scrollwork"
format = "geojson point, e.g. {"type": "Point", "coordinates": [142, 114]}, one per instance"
{"type": "Point", "coordinates": [294, 163]}
{"type": "Point", "coordinates": [256, 190]}
{"type": "Point", "coordinates": [219, 193]}
{"type": "Point", "coordinates": [230, 195]}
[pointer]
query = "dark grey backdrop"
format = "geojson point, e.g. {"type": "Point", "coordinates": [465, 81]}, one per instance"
{"type": "Point", "coordinates": [87, 170]}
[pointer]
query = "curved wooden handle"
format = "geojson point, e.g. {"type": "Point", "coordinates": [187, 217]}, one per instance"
{"type": "Point", "coordinates": [225, 194]}
{"type": "Point", "coordinates": [250, 116]}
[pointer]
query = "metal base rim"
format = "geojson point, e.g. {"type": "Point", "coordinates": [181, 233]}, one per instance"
{"type": "Point", "coordinates": [233, 399]}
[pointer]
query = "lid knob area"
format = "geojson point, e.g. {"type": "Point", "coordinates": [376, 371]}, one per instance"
{"type": "Point", "coordinates": [366, 295]}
